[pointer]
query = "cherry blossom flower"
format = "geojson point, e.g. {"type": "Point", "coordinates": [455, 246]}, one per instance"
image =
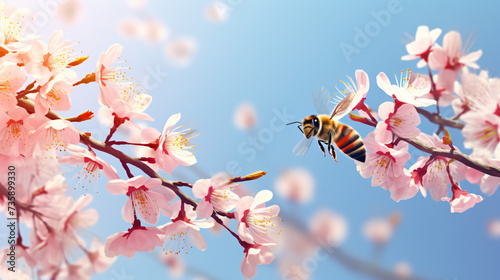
{"type": "Point", "coordinates": [489, 184]}
{"type": "Point", "coordinates": [482, 134]}
{"type": "Point", "coordinates": [171, 149]}
{"type": "Point", "coordinates": [256, 222]}
{"type": "Point", "coordinates": [13, 41]}
{"type": "Point", "coordinates": [383, 163]}
{"type": "Point", "coordinates": [217, 12]}
{"type": "Point", "coordinates": [80, 270]}
{"type": "Point", "coordinates": [401, 120]}
{"type": "Point", "coordinates": [493, 228]}
{"type": "Point", "coordinates": [407, 91]}
{"type": "Point", "coordinates": [52, 59]}
{"type": "Point", "coordinates": [180, 51]}
{"type": "Point", "coordinates": [450, 56]}
{"type": "Point", "coordinates": [296, 184]}
{"type": "Point", "coordinates": [14, 129]}
{"type": "Point", "coordinates": [92, 165]}
{"type": "Point", "coordinates": [358, 91]}
{"type": "Point", "coordinates": [146, 196]}
{"type": "Point", "coordinates": [135, 239]}
{"type": "Point", "coordinates": [97, 258]}
{"type": "Point", "coordinates": [450, 59]}
{"type": "Point", "coordinates": [329, 227]}
{"type": "Point", "coordinates": [53, 136]}
{"type": "Point", "coordinates": [12, 79]}
{"type": "Point", "coordinates": [57, 236]}
{"type": "Point", "coordinates": [421, 46]}
{"type": "Point", "coordinates": [184, 230]}
{"type": "Point", "coordinates": [215, 195]}
{"type": "Point", "coordinates": [54, 95]}
{"type": "Point", "coordinates": [477, 93]}
{"type": "Point", "coordinates": [245, 117]}
{"type": "Point", "coordinates": [431, 174]}
{"type": "Point", "coordinates": [378, 230]}
{"type": "Point", "coordinates": [403, 187]}
{"type": "Point", "coordinates": [110, 76]}
{"type": "Point", "coordinates": [462, 200]}
{"type": "Point", "coordinates": [255, 255]}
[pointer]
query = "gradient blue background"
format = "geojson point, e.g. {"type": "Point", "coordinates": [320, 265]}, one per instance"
{"type": "Point", "coordinates": [273, 54]}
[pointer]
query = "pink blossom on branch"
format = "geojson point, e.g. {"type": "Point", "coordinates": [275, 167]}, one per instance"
{"type": "Point", "coordinates": [398, 119]}
{"type": "Point", "coordinates": [147, 197]}
{"type": "Point", "coordinates": [256, 222]}
{"type": "Point", "coordinates": [462, 200]}
{"type": "Point", "coordinates": [54, 95]}
{"type": "Point", "coordinates": [430, 171]}
{"type": "Point", "coordinates": [407, 91]}
{"type": "Point", "coordinates": [14, 132]}
{"type": "Point", "coordinates": [52, 137]}
{"type": "Point", "coordinates": [215, 195]}
{"type": "Point", "coordinates": [482, 133]}
{"type": "Point", "coordinates": [383, 163]}
{"type": "Point", "coordinates": [92, 165]}
{"type": "Point", "coordinates": [421, 47]}
{"type": "Point", "coordinates": [51, 59]}
{"type": "Point", "coordinates": [135, 239]}
{"type": "Point", "coordinates": [184, 229]}
{"type": "Point", "coordinates": [12, 79]}
{"type": "Point", "coordinates": [255, 255]}
{"type": "Point", "coordinates": [171, 145]}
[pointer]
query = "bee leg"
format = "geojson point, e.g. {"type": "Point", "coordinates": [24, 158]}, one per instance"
{"type": "Point", "coordinates": [331, 150]}
{"type": "Point", "coordinates": [300, 129]}
{"type": "Point", "coordinates": [321, 147]}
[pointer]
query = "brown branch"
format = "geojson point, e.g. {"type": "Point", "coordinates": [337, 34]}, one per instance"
{"type": "Point", "coordinates": [463, 158]}
{"type": "Point", "coordinates": [124, 158]}
{"type": "Point", "coordinates": [437, 119]}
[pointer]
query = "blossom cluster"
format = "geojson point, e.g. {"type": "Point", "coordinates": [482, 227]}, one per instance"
{"type": "Point", "coordinates": [474, 99]}
{"type": "Point", "coordinates": [37, 80]}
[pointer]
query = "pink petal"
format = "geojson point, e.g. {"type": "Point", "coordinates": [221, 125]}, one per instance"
{"type": "Point", "coordinates": [383, 82]}
{"type": "Point", "coordinates": [452, 43]}
{"type": "Point", "coordinates": [198, 239]}
{"type": "Point", "coordinates": [204, 209]}
{"type": "Point", "coordinates": [172, 120]}
{"type": "Point", "coordinates": [261, 198]}
{"type": "Point", "coordinates": [200, 188]}
{"type": "Point", "coordinates": [128, 211]}
{"type": "Point", "coordinates": [117, 186]}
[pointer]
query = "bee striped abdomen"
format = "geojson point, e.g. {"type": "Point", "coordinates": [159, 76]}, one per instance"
{"type": "Point", "coordinates": [349, 142]}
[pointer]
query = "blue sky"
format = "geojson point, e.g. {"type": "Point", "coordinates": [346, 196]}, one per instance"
{"type": "Point", "coordinates": [273, 54]}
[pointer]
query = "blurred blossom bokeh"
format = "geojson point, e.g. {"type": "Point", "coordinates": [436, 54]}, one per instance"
{"type": "Point", "coordinates": [239, 71]}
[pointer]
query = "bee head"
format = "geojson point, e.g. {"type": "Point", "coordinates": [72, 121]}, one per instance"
{"type": "Point", "coordinates": [310, 126]}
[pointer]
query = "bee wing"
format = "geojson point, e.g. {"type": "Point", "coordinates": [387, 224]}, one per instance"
{"type": "Point", "coordinates": [303, 146]}
{"type": "Point", "coordinates": [321, 100]}
{"type": "Point", "coordinates": [346, 105]}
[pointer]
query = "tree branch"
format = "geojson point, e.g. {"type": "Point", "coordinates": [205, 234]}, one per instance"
{"type": "Point", "coordinates": [437, 119]}
{"type": "Point", "coordinates": [463, 158]}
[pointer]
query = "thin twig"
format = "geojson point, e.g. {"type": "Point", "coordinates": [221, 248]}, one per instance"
{"type": "Point", "coordinates": [437, 119]}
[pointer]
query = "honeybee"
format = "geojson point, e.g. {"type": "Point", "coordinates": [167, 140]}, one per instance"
{"type": "Point", "coordinates": [326, 127]}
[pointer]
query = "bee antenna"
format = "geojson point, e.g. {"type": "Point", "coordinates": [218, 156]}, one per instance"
{"type": "Point", "coordinates": [294, 122]}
